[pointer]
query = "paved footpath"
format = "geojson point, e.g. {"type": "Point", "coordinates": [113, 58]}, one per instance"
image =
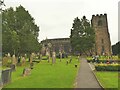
{"type": "Point", "coordinates": [86, 78]}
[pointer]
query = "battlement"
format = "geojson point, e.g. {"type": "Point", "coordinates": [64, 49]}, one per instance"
{"type": "Point", "coordinates": [99, 15]}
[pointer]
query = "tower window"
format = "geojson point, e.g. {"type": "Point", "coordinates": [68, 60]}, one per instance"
{"type": "Point", "coordinates": [100, 23]}
{"type": "Point", "coordinates": [103, 50]}
{"type": "Point", "coordinates": [102, 41]}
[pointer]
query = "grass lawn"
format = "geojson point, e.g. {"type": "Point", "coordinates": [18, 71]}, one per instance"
{"type": "Point", "coordinates": [108, 79]}
{"type": "Point", "coordinates": [46, 75]}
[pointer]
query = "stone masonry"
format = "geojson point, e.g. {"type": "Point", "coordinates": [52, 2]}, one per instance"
{"type": "Point", "coordinates": [102, 36]}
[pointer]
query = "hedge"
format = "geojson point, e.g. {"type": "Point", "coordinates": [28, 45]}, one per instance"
{"type": "Point", "coordinates": [107, 67]}
{"type": "Point", "coordinates": [103, 61]}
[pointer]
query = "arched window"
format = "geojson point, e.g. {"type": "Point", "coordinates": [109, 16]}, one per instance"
{"type": "Point", "coordinates": [100, 23]}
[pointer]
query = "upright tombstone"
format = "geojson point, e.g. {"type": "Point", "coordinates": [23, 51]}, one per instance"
{"type": "Point", "coordinates": [23, 61]}
{"type": "Point", "coordinates": [48, 57]}
{"type": "Point", "coordinates": [9, 58]}
{"type": "Point", "coordinates": [6, 76]}
{"type": "Point", "coordinates": [53, 57]}
{"type": "Point", "coordinates": [25, 56]}
{"type": "Point", "coordinates": [5, 61]}
{"type": "Point", "coordinates": [14, 62]}
{"type": "Point", "coordinates": [9, 55]}
{"type": "Point", "coordinates": [19, 58]}
{"type": "Point", "coordinates": [48, 54]}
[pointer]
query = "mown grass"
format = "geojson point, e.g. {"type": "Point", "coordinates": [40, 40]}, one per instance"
{"type": "Point", "coordinates": [108, 79]}
{"type": "Point", "coordinates": [46, 75]}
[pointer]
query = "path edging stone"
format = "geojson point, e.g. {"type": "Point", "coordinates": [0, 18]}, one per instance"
{"type": "Point", "coordinates": [97, 78]}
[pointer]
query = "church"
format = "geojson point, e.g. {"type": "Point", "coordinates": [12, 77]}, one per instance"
{"type": "Point", "coordinates": [102, 38]}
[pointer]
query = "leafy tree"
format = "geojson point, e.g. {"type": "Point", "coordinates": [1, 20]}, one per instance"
{"type": "Point", "coordinates": [20, 32]}
{"type": "Point", "coordinates": [116, 48]}
{"type": "Point", "coordinates": [27, 31]}
{"type": "Point", "coordinates": [82, 35]}
{"type": "Point", "coordinates": [10, 39]}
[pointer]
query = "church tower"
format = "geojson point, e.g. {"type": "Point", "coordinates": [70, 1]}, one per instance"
{"type": "Point", "coordinates": [102, 36]}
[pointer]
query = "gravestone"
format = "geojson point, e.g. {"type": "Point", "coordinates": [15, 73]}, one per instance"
{"type": "Point", "coordinates": [14, 61]}
{"type": "Point", "coordinates": [26, 71]}
{"type": "Point", "coordinates": [53, 58]}
{"type": "Point", "coordinates": [23, 61]}
{"type": "Point", "coordinates": [6, 76]}
{"type": "Point", "coordinates": [19, 58]}
{"type": "Point", "coordinates": [12, 66]}
{"type": "Point", "coordinates": [60, 56]}
{"type": "Point", "coordinates": [31, 65]}
{"type": "Point", "coordinates": [19, 61]}
{"type": "Point", "coordinates": [31, 58]}
{"type": "Point", "coordinates": [5, 61]}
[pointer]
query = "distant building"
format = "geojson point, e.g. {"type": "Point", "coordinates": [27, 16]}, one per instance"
{"type": "Point", "coordinates": [57, 44]}
{"type": "Point", "coordinates": [102, 38]}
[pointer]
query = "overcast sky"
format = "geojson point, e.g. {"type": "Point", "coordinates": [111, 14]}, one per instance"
{"type": "Point", "coordinates": [55, 17]}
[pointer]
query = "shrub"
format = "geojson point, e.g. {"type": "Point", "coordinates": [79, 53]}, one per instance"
{"type": "Point", "coordinates": [107, 67]}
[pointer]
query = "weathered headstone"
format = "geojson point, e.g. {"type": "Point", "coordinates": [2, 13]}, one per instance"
{"type": "Point", "coordinates": [5, 61]}
{"type": "Point", "coordinates": [19, 61]}
{"type": "Point", "coordinates": [14, 61]}
{"type": "Point", "coordinates": [6, 76]}
{"type": "Point", "coordinates": [12, 66]}
{"type": "Point", "coordinates": [23, 61]}
{"type": "Point", "coordinates": [53, 58]}
{"type": "Point", "coordinates": [19, 58]}
{"type": "Point", "coordinates": [25, 56]}
{"type": "Point", "coordinates": [31, 65]}
{"type": "Point", "coordinates": [26, 71]}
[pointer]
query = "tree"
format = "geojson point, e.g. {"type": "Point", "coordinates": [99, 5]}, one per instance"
{"type": "Point", "coordinates": [82, 36]}
{"type": "Point", "coordinates": [20, 33]}
{"type": "Point", "coordinates": [10, 39]}
{"type": "Point", "coordinates": [116, 48]}
{"type": "Point", "coordinates": [27, 31]}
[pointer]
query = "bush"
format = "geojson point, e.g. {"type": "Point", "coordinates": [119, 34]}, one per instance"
{"type": "Point", "coordinates": [102, 61]}
{"type": "Point", "coordinates": [107, 67]}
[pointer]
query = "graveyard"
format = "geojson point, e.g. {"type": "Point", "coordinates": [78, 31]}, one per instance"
{"type": "Point", "coordinates": [46, 75]}
{"type": "Point", "coordinates": [60, 74]}
{"type": "Point", "coordinates": [84, 59]}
